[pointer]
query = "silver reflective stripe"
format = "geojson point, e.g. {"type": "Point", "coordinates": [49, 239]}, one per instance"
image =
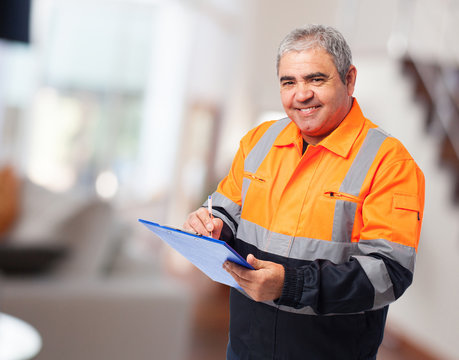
{"type": "Point", "coordinates": [245, 187]}
{"type": "Point", "coordinates": [260, 150]}
{"type": "Point", "coordinates": [343, 221]}
{"type": "Point", "coordinates": [353, 181]}
{"type": "Point", "coordinates": [264, 239]}
{"type": "Point", "coordinates": [233, 209]}
{"type": "Point", "coordinates": [376, 271]}
{"type": "Point", "coordinates": [344, 218]}
{"type": "Point", "coordinates": [301, 248]}
{"type": "Point", "coordinates": [311, 249]}
{"type": "Point", "coordinates": [307, 310]}
{"type": "Point", "coordinates": [402, 254]}
{"type": "Point", "coordinates": [253, 234]}
{"type": "Point", "coordinates": [262, 147]}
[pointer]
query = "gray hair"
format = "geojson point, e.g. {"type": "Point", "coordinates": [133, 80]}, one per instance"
{"type": "Point", "coordinates": [318, 36]}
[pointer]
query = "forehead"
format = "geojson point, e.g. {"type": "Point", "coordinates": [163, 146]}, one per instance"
{"type": "Point", "coordinates": [310, 60]}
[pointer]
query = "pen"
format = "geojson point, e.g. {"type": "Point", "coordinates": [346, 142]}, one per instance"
{"type": "Point", "coordinates": [209, 208]}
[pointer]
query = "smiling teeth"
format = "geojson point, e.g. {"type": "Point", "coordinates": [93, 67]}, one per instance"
{"type": "Point", "coordinates": [309, 108]}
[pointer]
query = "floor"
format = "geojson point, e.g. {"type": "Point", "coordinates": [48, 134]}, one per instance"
{"type": "Point", "coordinates": [210, 331]}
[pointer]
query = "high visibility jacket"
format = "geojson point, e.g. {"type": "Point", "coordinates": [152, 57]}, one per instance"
{"type": "Point", "coordinates": [344, 220]}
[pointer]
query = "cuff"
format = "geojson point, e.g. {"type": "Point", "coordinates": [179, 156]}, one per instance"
{"type": "Point", "coordinates": [291, 291]}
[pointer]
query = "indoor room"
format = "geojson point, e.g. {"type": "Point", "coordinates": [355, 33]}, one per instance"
{"type": "Point", "coordinates": [113, 111]}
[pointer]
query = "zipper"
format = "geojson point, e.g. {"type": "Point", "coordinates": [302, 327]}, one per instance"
{"type": "Point", "coordinates": [254, 177]}
{"type": "Point", "coordinates": [342, 196]}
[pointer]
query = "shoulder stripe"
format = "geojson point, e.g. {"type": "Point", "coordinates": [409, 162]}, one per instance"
{"type": "Point", "coordinates": [260, 150]}
{"type": "Point", "coordinates": [343, 221]}
{"type": "Point", "coordinates": [262, 147]}
{"type": "Point", "coordinates": [353, 181]}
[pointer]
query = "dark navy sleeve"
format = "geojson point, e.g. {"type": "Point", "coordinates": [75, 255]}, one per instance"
{"type": "Point", "coordinates": [337, 288]}
{"type": "Point", "coordinates": [226, 234]}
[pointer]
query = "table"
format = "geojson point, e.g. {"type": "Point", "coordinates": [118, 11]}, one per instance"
{"type": "Point", "coordinates": [18, 339]}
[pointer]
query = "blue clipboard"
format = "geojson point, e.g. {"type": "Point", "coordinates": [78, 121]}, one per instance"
{"type": "Point", "coordinates": [206, 253]}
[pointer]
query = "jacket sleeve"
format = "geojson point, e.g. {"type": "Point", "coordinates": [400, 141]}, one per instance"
{"type": "Point", "coordinates": [391, 215]}
{"type": "Point", "coordinates": [341, 288]}
{"type": "Point", "coordinates": [226, 200]}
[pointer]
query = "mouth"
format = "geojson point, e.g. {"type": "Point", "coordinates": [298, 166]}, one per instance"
{"type": "Point", "coordinates": [308, 109]}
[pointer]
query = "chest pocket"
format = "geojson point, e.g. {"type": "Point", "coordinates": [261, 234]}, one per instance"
{"type": "Point", "coordinates": [256, 178]}
{"type": "Point", "coordinates": [346, 207]}
{"type": "Point", "coordinates": [257, 190]}
{"type": "Point", "coordinates": [337, 195]}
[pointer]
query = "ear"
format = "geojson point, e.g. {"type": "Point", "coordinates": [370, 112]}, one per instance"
{"type": "Point", "coordinates": [350, 79]}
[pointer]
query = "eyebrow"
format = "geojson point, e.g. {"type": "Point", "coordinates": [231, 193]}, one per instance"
{"type": "Point", "coordinates": [315, 75]}
{"type": "Point", "coordinates": [306, 77]}
{"type": "Point", "coordinates": [286, 78]}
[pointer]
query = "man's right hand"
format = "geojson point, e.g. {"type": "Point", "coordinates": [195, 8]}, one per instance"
{"type": "Point", "coordinates": [200, 222]}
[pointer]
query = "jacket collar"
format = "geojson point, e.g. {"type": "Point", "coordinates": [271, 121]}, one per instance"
{"type": "Point", "coordinates": [340, 141]}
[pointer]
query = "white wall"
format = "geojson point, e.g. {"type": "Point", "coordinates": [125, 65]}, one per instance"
{"type": "Point", "coordinates": [426, 313]}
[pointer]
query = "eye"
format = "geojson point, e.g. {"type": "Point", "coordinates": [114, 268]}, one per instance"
{"type": "Point", "coordinates": [317, 80]}
{"type": "Point", "coordinates": [287, 83]}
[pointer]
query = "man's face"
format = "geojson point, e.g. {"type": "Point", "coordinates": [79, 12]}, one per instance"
{"type": "Point", "coordinates": [312, 93]}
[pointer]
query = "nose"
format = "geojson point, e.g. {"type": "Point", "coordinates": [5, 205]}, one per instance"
{"type": "Point", "coordinates": [303, 93]}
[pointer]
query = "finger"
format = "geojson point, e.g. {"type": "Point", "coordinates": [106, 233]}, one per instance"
{"type": "Point", "coordinates": [194, 223]}
{"type": "Point", "coordinates": [244, 283]}
{"type": "Point", "coordinates": [186, 226]}
{"type": "Point", "coordinates": [248, 286]}
{"type": "Point", "coordinates": [205, 218]}
{"type": "Point", "coordinates": [256, 263]}
{"type": "Point", "coordinates": [239, 271]}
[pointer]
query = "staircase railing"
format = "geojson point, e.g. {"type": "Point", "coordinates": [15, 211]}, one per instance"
{"type": "Point", "coordinates": [437, 88]}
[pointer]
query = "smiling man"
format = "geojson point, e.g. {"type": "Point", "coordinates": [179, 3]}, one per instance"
{"type": "Point", "coordinates": [326, 207]}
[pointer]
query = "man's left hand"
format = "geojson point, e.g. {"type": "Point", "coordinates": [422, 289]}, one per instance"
{"type": "Point", "coordinates": [263, 283]}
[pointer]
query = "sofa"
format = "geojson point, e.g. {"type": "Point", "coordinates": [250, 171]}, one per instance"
{"type": "Point", "coordinates": [65, 271]}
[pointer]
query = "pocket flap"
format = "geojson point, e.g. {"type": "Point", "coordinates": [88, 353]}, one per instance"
{"type": "Point", "coordinates": [407, 202]}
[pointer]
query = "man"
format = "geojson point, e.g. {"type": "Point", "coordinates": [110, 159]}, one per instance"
{"type": "Point", "coordinates": [325, 206]}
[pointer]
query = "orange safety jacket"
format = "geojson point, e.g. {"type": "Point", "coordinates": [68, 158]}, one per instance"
{"type": "Point", "coordinates": [344, 220]}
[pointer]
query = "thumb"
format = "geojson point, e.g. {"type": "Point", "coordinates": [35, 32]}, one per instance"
{"type": "Point", "coordinates": [256, 263]}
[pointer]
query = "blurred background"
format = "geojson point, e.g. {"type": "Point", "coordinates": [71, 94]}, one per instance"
{"type": "Point", "coordinates": [114, 110]}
